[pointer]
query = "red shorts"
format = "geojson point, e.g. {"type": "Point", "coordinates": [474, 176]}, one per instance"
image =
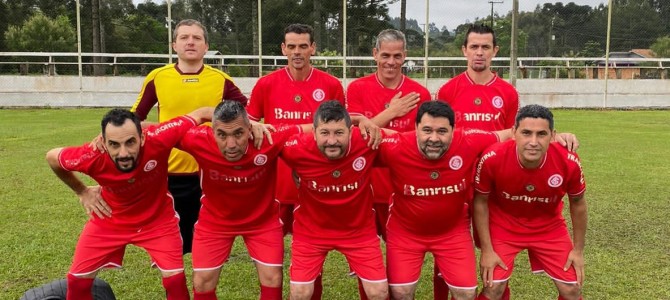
{"type": "Point", "coordinates": [102, 246]}
{"type": "Point", "coordinates": [453, 251]}
{"type": "Point", "coordinates": [364, 258]}
{"type": "Point", "coordinates": [546, 256]}
{"type": "Point", "coordinates": [212, 248]}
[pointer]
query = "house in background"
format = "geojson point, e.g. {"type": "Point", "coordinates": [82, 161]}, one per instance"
{"type": "Point", "coordinates": [623, 65]}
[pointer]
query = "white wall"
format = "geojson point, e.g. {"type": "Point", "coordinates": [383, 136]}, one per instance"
{"type": "Point", "coordinates": [62, 91]}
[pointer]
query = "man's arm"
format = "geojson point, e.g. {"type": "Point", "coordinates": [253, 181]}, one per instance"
{"type": "Point", "coordinates": [504, 134]}
{"type": "Point", "coordinates": [489, 258]}
{"type": "Point", "coordinates": [369, 130]}
{"type": "Point", "coordinates": [579, 218]}
{"type": "Point", "coordinates": [398, 107]}
{"type": "Point", "coordinates": [232, 92]}
{"type": "Point", "coordinates": [89, 197]}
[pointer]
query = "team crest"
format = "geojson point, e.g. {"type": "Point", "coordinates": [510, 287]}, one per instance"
{"type": "Point", "coordinates": [150, 165]}
{"type": "Point", "coordinates": [131, 180]}
{"type": "Point", "coordinates": [530, 188]}
{"type": "Point", "coordinates": [337, 173]}
{"type": "Point", "coordinates": [555, 180]}
{"type": "Point", "coordinates": [359, 164]}
{"type": "Point", "coordinates": [318, 95]}
{"type": "Point", "coordinates": [497, 102]}
{"type": "Point", "coordinates": [297, 98]}
{"type": "Point", "coordinates": [260, 159]}
{"type": "Point", "coordinates": [478, 101]}
{"type": "Point", "coordinates": [434, 175]}
{"type": "Point", "coordinates": [455, 163]}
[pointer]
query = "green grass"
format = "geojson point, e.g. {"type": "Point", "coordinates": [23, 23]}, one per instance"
{"type": "Point", "coordinates": [624, 153]}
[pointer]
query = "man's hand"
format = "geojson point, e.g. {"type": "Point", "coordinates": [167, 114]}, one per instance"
{"type": "Point", "coordinates": [400, 106]}
{"type": "Point", "coordinates": [91, 199]}
{"type": "Point", "coordinates": [487, 263]}
{"type": "Point", "coordinates": [97, 143]}
{"type": "Point", "coordinates": [576, 259]}
{"type": "Point", "coordinates": [567, 140]}
{"type": "Point", "coordinates": [259, 131]}
{"type": "Point", "coordinates": [370, 132]}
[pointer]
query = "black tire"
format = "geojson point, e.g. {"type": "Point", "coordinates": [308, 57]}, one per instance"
{"type": "Point", "coordinates": [57, 289]}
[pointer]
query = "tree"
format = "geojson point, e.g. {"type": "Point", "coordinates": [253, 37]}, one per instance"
{"type": "Point", "coordinates": [661, 47]}
{"type": "Point", "coordinates": [42, 34]}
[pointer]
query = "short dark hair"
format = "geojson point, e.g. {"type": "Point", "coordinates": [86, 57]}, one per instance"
{"type": "Point", "coordinates": [118, 117]}
{"type": "Point", "coordinates": [229, 110]}
{"type": "Point", "coordinates": [535, 111]}
{"type": "Point", "coordinates": [331, 110]}
{"type": "Point", "coordinates": [300, 29]}
{"type": "Point", "coordinates": [480, 29]}
{"type": "Point", "coordinates": [190, 22]}
{"type": "Point", "coordinates": [437, 108]}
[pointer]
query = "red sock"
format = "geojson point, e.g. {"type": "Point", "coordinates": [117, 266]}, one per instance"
{"type": "Point", "coordinates": [440, 288]}
{"type": "Point", "coordinates": [209, 295]}
{"type": "Point", "coordinates": [482, 297]}
{"type": "Point", "coordinates": [79, 288]}
{"type": "Point", "coordinates": [506, 294]}
{"type": "Point", "coordinates": [361, 290]}
{"type": "Point", "coordinates": [175, 286]}
{"type": "Point", "coordinates": [318, 288]}
{"type": "Point", "coordinates": [270, 293]}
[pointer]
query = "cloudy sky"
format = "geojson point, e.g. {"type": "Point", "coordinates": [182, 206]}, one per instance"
{"type": "Point", "coordinates": [452, 13]}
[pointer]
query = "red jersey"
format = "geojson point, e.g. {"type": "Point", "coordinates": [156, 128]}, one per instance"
{"type": "Point", "coordinates": [335, 195]}
{"type": "Point", "coordinates": [429, 196]}
{"type": "Point", "coordinates": [524, 203]}
{"type": "Point", "coordinates": [279, 99]}
{"type": "Point", "coordinates": [491, 106]}
{"type": "Point", "coordinates": [141, 196]}
{"type": "Point", "coordinates": [237, 196]}
{"type": "Point", "coordinates": [368, 97]}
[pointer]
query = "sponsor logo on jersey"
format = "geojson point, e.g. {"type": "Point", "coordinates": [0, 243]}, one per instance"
{"type": "Point", "coordinates": [411, 190]}
{"type": "Point", "coordinates": [359, 163]}
{"type": "Point", "coordinates": [481, 164]}
{"type": "Point", "coordinates": [318, 95]}
{"type": "Point", "coordinates": [333, 188]}
{"type": "Point", "coordinates": [473, 117]}
{"type": "Point", "coordinates": [456, 162]}
{"type": "Point", "coordinates": [281, 114]}
{"type": "Point", "coordinates": [497, 102]}
{"type": "Point", "coordinates": [150, 165]}
{"type": "Point", "coordinates": [165, 127]}
{"type": "Point", "coordinates": [190, 80]}
{"type": "Point", "coordinates": [399, 123]}
{"type": "Point", "coordinates": [216, 175]}
{"type": "Point", "coordinates": [290, 143]}
{"type": "Point", "coordinates": [260, 159]}
{"type": "Point", "coordinates": [527, 198]}
{"type": "Point", "coordinates": [555, 180]}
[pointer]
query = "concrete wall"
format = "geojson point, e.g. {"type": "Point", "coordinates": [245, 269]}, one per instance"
{"type": "Point", "coordinates": [62, 91]}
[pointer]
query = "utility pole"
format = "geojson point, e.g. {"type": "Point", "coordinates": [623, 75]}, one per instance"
{"type": "Point", "coordinates": [493, 2]}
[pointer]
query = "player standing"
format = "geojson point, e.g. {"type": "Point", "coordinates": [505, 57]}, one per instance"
{"type": "Point", "coordinates": [123, 210]}
{"type": "Point", "coordinates": [520, 186]}
{"type": "Point", "coordinates": [431, 172]}
{"type": "Point", "coordinates": [178, 89]}
{"type": "Point", "coordinates": [334, 211]}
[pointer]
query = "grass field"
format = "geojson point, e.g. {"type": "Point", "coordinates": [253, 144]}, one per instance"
{"type": "Point", "coordinates": [624, 153]}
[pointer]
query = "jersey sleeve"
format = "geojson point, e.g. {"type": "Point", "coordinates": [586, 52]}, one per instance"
{"type": "Point", "coordinates": [257, 100]}
{"type": "Point", "coordinates": [511, 107]}
{"type": "Point", "coordinates": [169, 133]}
{"type": "Point", "coordinates": [483, 172]}
{"type": "Point", "coordinates": [576, 186]}
{"type": "Point", "coordinates": [480, 139]}
{"type": "Point", "coordinates": [291, 150]}
{"type": "Point", "coordinates": [232, 92]}
{"type": "Point", "coordinates": [147, 97]}
{"type": "Point", "coordinates": [284, 132]}
{"type": "Point", "coordinates": [387, 150]}
{"type": "Point", "coordinates": [79, 159]}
